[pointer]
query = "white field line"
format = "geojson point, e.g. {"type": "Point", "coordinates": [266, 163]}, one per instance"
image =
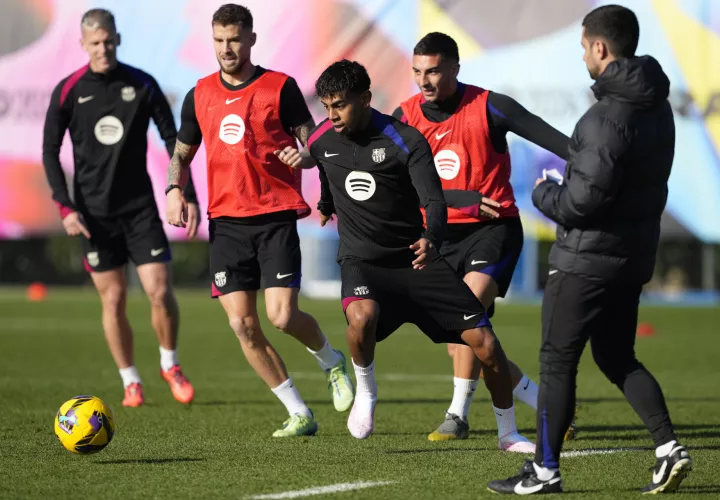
{"type": "Point", "coordinates": [321, 490]}
{"type": "Point", "coordinates": [598, 451]}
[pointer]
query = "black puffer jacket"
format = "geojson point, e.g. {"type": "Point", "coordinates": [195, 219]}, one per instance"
{"type": "Point", "coordinates": [609, 206]}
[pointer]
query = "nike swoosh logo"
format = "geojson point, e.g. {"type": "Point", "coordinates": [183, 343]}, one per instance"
{"type": "Point", "coordinates": [328, 155]}
{"type": "Point", "coordinates": [85, 99]}
{"type": "Point", "coordinates": [281, 276]}
{"type": "Point", "coordinates": [470, 316]}
{"type": "Point", "coordinates": [657, 476]}
{"type": "Point", "coordinates": [527, 490]}
{"type": "Point", "coordinates": [552, 272]}
{"type": "Point", "coordinates": [440, 136]}
{"type": "Point", "coordinates": [526, 385]}
{"type": "Point", "coordinates": [156, 251]}
{"type": "Point", "coordinates": [230, 101]}
{"type": "Point", "coordinates": [475, 262]}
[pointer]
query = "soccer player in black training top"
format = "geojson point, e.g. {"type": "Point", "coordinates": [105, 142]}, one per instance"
{"type": "Point", "coordinates": [466, 127]}
{"type": "Point", "coordinates": [608, 213]}
{"type": "Point", "coordinates": [107, 106]}
{"type": "Point", "coordinates": [376, 173]}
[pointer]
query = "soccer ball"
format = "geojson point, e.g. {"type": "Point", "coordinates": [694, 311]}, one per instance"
{"type": "Point", "coordinates": [84, 425]}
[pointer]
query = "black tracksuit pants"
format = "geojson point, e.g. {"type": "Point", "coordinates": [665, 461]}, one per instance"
{"type": "Point", "coordinates": [576, 309]}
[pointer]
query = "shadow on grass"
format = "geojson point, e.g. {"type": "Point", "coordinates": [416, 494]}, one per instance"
{"type": "Point", "coordinates": [630, 432]}
{"type": "Point", "coordinates": [250, 402]}
{"type": "Point", "coordinates": [620, 399]}
{"type": "Point", "coordinates": [703, 489]}
{"type": "Point", "coordinates": [146, 461]}
{"type": "Point", "coordinates": [436, 450]}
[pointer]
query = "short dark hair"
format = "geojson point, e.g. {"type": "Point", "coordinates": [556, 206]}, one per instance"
{"type": "Point", "coordinates": [98, 18]}
{"type": "Point", "coordinates": [342, 78]}
{"type": "Point", "coordinates": [438, 43]}
{"type": "Point", "coordinates": [233, 14]}
{"type": "Point", "coordinates": [617, 25]}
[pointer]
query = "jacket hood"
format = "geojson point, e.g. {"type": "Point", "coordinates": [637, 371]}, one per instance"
{"type": "Point", "coordinates": [637, 80]}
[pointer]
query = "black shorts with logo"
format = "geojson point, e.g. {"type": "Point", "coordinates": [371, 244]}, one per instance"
{"type": "Point", "coordinates": [491, 248]}
{"type": "Point", "coordinates": [434, 299]}
{"type": "Point", "coordinates": [137, 235]}
{"type": "Point", "coordinates": [244, 250]}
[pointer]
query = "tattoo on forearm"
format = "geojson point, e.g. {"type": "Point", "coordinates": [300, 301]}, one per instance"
{"type": "Point", "coordinates": [180, 163]}
{"type": "Point", "coordinates": [302, 132]}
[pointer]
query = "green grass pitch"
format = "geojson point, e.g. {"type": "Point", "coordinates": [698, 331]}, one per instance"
{"type": "Point", "coordinates": [220, 446]}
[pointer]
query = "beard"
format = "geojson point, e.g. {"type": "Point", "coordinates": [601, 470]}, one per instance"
{"type": "Point", "coordinates": [233, 66]}
{"type": "Point", "coordinates": [594, 72]}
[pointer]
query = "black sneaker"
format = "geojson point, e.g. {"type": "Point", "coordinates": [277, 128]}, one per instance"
{"type": "Point", "coordinates": [669, 471]}
{"type": "Point", "coordinates": [527, 483]}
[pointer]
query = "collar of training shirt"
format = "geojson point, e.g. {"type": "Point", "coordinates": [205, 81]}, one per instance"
{"type": "Point", "coordinates": [444, 109]}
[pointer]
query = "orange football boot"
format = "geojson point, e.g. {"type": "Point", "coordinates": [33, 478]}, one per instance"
{"type": "Point", "coordinates": [134, 396]}
{"type": "Point", "coordinates": [180, 386]}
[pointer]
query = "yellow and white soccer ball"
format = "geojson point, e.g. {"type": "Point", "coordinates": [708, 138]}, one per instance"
{"type": "Point", "coordinates": [84, 425]}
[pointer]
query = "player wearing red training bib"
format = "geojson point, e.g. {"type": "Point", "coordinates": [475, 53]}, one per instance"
{"type": "Point", "coordinates": [466, 127]}
{"type": "Point", "coordinates": [250, 119]}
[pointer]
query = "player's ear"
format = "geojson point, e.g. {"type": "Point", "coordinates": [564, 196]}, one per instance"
{"type": "Point", "coordinates": [600, 49]}
{"type": "Point", "coordinates": [365, 98]}
{"type": "Point", "coordinates": [456, 70]}
{"type": "Point", "coordinates": [253, 39]}
{"type": "Point", "coordinates": [118, 39]}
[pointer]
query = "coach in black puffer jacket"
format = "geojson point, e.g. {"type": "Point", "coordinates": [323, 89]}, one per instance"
{"type": "Point", "coordinates": [615, 188]}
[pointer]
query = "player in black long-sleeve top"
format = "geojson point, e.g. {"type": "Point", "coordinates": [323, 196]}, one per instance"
{"type": "Point", "coordinates": [376, 173]}
{"type": "Point", "coordinates": [107, 107]}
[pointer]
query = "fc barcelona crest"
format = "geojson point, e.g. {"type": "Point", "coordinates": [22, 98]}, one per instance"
{"type": "Point", "coordinates": [378, 155]}
{"type": "Point", "coordinates": [220, 279]}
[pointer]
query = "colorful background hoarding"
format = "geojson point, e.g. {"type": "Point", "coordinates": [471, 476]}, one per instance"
{"type": "Point", "coordinates": [529, 50]}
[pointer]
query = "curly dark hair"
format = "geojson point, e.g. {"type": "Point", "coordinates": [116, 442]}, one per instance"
{"type": "Point", "coordinates": [438, 43]}
{"type": "Point", "coordinates": [233, 14]}
{"type": "Point", "coordinates": [342, 78]}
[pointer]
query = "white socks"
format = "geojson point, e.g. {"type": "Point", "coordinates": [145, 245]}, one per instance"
{"type": "Point", "coordinates": [168, 358]}
{"type": "Point", "coordinates": [130, 376]}
{"type": "Point", "coordinates": [664, 450]}
{"type": "Point", "coordinates": [505, 420]}
{"type": "Point", "coordinates": [288, 395]}
{"type": "Point", "coordinates": [463, 390]}
{"type": "Point", "coordinates": [326, 357]}
{"type": "Point", "coordinates": [527, 392]}
{"type": "Point", "coordinates": [543, 473]}
{"type": "Point", "coordinates": [366, 391]}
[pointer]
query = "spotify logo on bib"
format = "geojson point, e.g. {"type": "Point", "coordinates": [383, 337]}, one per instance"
{"type": "Point", "coordinates": [109, 130]}
{"type": "Point", "coordinates": [232, 129]}
{"type": "Point", "coordinates": [447, 164]}
{"type": "Point", "coordinates": [360, 185]}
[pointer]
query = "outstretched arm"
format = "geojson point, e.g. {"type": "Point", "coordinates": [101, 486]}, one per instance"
{"type": "Point", "coordinates": [507, 115]}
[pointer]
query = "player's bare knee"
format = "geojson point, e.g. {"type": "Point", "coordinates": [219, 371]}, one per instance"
{"type": "Point", "coordinates": [113, 298]}
{"type": "Point", "coordinates": [451, 350]}
{"type": "Point", "coordinates": [484, 343]}
{"type": "Point", "coordinates": [160, 296]}
{"type": "Point", "coordinates": [246, 329]}
{"type": "Point", "coordinates": [362, 319]}
{"type": "Point", "coordinates": [281, 318]}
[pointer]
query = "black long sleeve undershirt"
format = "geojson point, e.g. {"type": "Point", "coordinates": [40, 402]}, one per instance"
{"type": "Point", "coordinates": [504, 114]}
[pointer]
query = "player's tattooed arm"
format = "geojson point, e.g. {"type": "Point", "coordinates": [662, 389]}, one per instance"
{"type": "Point", "coordinates": [302, 134]}
{"type": "Point", "coordinates": [179, 169]}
